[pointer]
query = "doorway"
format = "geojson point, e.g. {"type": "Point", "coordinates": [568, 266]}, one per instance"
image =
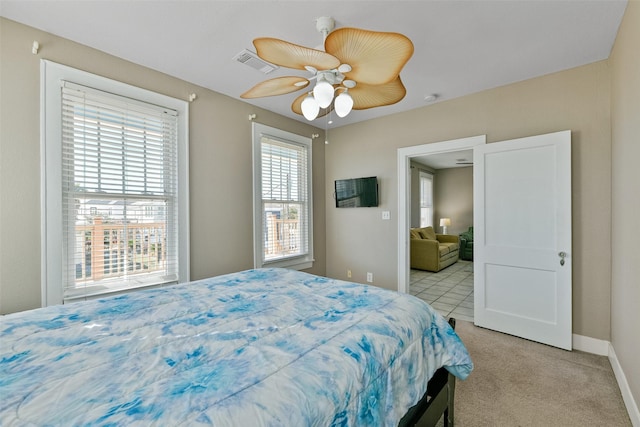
{"type": "Point", "coordinates": [522, 209]}
{"type": "Point", "coordinates": [405, 155]}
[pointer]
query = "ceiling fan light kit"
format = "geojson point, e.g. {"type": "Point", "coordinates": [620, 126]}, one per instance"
{"type": "Point", "coordinates": [362, 66]}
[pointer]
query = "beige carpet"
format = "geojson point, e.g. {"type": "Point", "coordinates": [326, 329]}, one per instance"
{"type": "Point", "coordinates": [517, 382]}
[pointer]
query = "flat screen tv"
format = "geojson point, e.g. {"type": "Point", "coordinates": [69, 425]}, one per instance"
{"type": "Point", "coordinates": [357, 192]}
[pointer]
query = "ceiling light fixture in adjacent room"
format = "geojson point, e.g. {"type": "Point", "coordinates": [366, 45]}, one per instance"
{"type": "Point", "coordinates": [431, 98]}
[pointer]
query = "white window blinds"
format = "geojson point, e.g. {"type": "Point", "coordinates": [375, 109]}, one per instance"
{"type": "Point", "coordinates": [426, 199]}
{"type": "Point", "coordinates": [120, 192]}
{"type": "Point", "coordinates": [285, 197]}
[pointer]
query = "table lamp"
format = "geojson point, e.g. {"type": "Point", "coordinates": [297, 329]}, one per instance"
{"type": "Point", "coordinates": [444, 223]}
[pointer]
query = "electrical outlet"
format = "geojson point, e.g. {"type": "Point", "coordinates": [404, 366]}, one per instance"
{"type": "Point", "coordinates": [369, 277]}
{"type": "Point", "coordinates": [386, 215]}
{"type": "Point", "coordinates": [348, 274]}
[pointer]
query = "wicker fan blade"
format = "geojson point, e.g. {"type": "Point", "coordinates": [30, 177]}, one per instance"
{"type": "Point", "coordinates": [296, 107]}
{"type": "Point", "coordinates": [368, 96]}
{"type": "Point", "coordinates": [291, 55]}
{"type": "Point", "coordinates": [375, 57]}
{"type": "Point", "coordinates": [277, 86]}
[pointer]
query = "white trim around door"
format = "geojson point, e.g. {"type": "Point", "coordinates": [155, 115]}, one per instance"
{"type": "Point", "coordinates": [404, 193]}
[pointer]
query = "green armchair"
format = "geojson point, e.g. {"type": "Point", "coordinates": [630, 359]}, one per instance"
{"type": "Point", "coordinates": [466, 245]}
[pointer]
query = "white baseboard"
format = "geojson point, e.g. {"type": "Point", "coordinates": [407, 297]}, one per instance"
{"type": "Point", "coordinates": [590, 345]}
{"type": "Point", "coordinates": [604, 348]}
{"type": "Point", "coordinates": [629, 401]}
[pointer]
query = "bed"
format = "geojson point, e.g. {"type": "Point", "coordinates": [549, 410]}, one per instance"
{"type": "Point", "coordinates": [264, 347]}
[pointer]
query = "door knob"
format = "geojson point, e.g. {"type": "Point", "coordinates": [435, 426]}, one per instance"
{"type": "Point", "coordinates": [562, 255]}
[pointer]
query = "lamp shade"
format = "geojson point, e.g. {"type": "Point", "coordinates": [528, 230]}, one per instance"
{"type": "Point", "coordinates": [323, 93]}
{"type": "Point", "coordinates": [445, 222]}
{"type": "Point", "coordinates": [343, 104]}
{"type": "Point", "coordinates": [310, 108]}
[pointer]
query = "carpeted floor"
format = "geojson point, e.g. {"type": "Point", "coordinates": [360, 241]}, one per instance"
{"type": "Point", "coordinates": [517, 382]}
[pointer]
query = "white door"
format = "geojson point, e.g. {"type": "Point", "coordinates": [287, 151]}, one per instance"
{"type": "Point", "coordinates": [522, 238]}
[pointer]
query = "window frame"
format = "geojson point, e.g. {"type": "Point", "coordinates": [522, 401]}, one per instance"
{"type": "Point", "coordinates": [424, 175]}
{"type": "Point", "coordinates": [51, 76]}
{"type": "Point", "coordinates": [299, 262]}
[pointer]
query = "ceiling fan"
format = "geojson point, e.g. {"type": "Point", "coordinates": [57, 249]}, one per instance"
{"type": "Point", "coordinates": [362, 67]}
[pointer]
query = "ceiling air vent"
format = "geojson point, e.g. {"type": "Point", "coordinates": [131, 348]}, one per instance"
{"type": "Point", "coordinates": [254, 61]}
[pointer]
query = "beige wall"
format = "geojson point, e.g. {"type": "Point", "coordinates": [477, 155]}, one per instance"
{"type": "Point", "coordinates": [220, 163]}
{"type": "Point", "coordinates": [221, 240]}
{"type": "Point", "coordinates": [577, 99]}
{"type": "Point", "coordinates": [625, 130]}
{"type": "Point", "coordinates": [453, 198]}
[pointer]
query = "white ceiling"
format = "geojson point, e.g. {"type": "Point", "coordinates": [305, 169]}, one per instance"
{"type": "Point", "coordinates": [453, 159]}
{"type": "Point", "coordinates": [461, 47]}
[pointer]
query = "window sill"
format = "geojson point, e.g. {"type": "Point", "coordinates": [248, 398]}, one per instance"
{"type": "Point", "coordinates": [293, 264]}
{"type": "Point", "coordinates": [105, 289]}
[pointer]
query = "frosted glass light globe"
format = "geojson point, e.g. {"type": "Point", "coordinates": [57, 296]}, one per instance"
{"type": "Point", "coordinates": [310, 108]}
{"type": "Point", "coordinates": [323, 93]}
{"type": "Point", "coordinates": [343, 104]}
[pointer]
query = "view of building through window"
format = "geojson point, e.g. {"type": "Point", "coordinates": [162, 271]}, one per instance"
{"type": "Point", "coordinates": [284, 197]}
{"type": "Point", "coordinates": [108, 245]}
{"type": "Point", "coordinates": [119, 165]}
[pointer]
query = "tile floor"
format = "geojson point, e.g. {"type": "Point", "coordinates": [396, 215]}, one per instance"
{"type": "Point", "coordinates": [450, 291]}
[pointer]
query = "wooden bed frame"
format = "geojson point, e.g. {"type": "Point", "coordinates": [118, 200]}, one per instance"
{"type": "Point", "coordinates": [436, 402]}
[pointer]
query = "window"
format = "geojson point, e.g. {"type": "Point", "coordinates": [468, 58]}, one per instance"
{"type": "Point", "coordinates": [114, 183]}
{"type": "Point", "coordinates": [426, 199]}
{"type": "Point", "coordinates": [282, 199]}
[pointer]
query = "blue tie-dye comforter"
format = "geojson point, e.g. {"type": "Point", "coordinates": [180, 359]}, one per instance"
{"type": "Point", "coordinates": [267, 347]}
